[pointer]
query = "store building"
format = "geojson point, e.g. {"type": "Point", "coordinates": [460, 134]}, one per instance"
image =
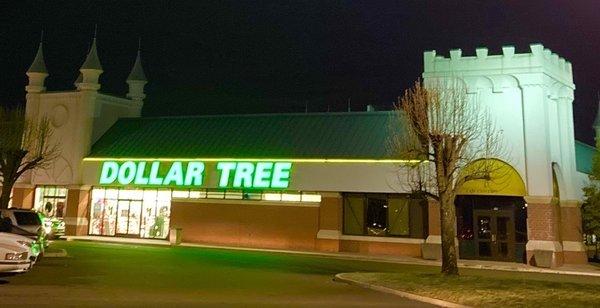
{"type": "Point", "coordinates": [313, 181]}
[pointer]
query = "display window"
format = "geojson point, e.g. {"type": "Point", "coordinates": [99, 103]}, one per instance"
{"type": "Point", "coordinates": [146, 213]}
{"type": "Point", "coordinates": [127, 212]}
{"type": "Point", "coordinates": [51, 200]}
{"type": "Point", "coordinates": [384, 215]}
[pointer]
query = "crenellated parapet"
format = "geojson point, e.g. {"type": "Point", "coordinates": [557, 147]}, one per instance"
{"type": "Point", "coordinates": [529, 68]}
{"type": "Point", "coordinates": [529, 97]}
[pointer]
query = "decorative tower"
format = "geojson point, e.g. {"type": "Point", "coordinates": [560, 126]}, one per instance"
{"type": "Point", "coordinates": [90, 70]}
{"type": "Point", "coordinates": [37, 73]}
{"type": "Point", "coordinates": [136, 81]}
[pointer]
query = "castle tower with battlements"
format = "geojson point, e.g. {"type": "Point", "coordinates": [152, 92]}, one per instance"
{"type": "Point", "coordinates": [530, 97]}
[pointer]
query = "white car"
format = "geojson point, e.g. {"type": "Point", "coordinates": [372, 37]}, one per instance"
{"type": "Point", "coordinates": [17, 253]}
{"type": "Point", "coordinates": [27, 223]}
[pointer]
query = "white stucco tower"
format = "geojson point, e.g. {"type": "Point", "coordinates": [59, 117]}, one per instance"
{"type": "Point", "coordinates": [530, 96]}
{"type": "Point", "coordinates": [79, 117]}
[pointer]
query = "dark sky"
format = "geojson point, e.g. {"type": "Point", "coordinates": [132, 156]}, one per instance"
{"type": "Point", "coordinates": [208, 57]}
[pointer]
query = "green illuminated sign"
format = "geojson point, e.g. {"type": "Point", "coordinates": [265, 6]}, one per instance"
{"type": "Point", "coordinates": [229, 174]}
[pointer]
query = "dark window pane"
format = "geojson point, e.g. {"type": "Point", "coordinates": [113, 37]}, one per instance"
{"type": "Point", "coordinates": [502, 226]}
{"type": "Point", "coordinates": [418, 218]}
{"type": "Point", "coordinates": [484, 229]}
{"type": "Point", "coordinates": [503, 249]}
{"type": "Point", "coordinates": [485, 249]}
{"type": "Point", "coordinates": [377, 216]}
{"type": "Point", "coordinates": [398, 216]}
{"type": "Point", "coordinates": [27, 218]}
{"type": "Point", "coordinates": [354, 215]}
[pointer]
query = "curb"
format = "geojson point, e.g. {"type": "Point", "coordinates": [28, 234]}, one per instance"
{"type": "Point", "coordinates": [428, 300]}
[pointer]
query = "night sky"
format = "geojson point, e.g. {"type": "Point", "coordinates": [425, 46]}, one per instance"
{"type": "Point", "coordinates": [215, 57]}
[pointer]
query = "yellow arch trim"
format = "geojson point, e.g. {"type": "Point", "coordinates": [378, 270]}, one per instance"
{"type": "Point", "coordinates": [504, 180]}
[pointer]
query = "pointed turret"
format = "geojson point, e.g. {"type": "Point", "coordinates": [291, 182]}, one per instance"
{"type": "Point", "coordinates": [90, 70]}
{"type": "Point", "coordinates": [91, 61]}
{"type": "Point", "coordinates": [137, 72]}
{"type": "Point", "coordinates": [137, 80]}
{"type": "Point", "coordinates": [37, 73]}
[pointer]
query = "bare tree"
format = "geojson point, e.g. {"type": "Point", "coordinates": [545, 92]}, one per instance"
{"type": "Point", "coordinates": [445, 129]}
{"type": "Point", "coordinates": [24, 145]}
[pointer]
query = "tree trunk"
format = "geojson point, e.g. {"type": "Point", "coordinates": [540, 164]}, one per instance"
{"type": "Point", "coordinates": [448, 228]}
{"type": "Point", "coordinates": [7, 187]}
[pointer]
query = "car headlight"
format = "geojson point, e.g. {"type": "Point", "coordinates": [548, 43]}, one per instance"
{"type": "Point", "coordinates": [25, 243]}
{"type": "Point", "coordinates": [16, 256]}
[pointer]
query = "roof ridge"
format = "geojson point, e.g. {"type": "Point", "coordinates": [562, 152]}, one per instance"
{"type": "Point", "coordinates": [251, 115]}
{"type": "Point", "coordinates": [585, 144]}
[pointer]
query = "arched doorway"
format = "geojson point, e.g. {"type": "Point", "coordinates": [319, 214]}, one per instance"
{"type": "Point", "coordinates": [491, 213]}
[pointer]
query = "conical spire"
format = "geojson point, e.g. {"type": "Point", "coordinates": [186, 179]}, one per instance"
{"type": "Point", "coordinates": [137, 72]}
{"type": "Point", "coordinates": [92, 61]}
{"type": "Point", "coordinates": [38, 65]}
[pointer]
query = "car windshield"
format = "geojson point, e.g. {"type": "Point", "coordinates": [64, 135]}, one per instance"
{"type": "Point", "coordinates": [27, 218]}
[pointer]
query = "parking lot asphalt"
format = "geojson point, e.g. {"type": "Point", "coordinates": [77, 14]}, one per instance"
{"type": "Point", "coordinates": [101, 274]}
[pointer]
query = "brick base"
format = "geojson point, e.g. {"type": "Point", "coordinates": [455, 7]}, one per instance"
{"type": "Point", "coordinates": [575, 257]}
{"type": "Point", "coordinates": [379, 248]}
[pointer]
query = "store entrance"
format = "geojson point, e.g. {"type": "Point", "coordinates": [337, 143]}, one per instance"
{"type": "Point", "coordinates": [494, 234]}
{"type": "Point", "coordinates": [491, 227]}
{"type": "Point", "coordinates": [128, 218]}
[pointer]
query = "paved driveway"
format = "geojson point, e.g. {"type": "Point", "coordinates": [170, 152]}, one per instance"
{"type": "Point", "coordinates": [98, 274]}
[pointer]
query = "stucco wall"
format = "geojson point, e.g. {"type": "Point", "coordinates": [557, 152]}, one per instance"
{"type": "Point", "coordinates": [529, 96]}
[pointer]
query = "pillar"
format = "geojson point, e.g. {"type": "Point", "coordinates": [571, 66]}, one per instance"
{"type": "Point", "coordinates": [574, 251]}
{"type": "Point", "coordinates": [23, 196]}
{"type": "Point", "coordinates": [543, 229]}
{"type": "Point", "coordinates": [330, 222]}
{"type": "Point", "coordinates": [432, 248]}
{"type": "Point", "coordinates": [76, 218]}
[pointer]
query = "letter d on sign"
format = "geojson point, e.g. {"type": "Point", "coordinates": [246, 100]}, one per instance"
{"type": "Point", "coordinates": [110, 170]}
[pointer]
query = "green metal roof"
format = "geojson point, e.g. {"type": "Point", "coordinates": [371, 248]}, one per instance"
{"type": "Point", "coordinates": [584, 154]}
{"type": "Point", "coordinates": [350, 135]}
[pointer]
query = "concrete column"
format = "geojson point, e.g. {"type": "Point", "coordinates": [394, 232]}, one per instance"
{"type": "Point", "coordinates": [574, 250]}
{"type": "Point", "coordinates": [432, 248]}
{"type": "Point", "coordinates": [537, 150]}
{"type": "Point", "coordinates": [330, 222]}
{"type": "Point", "coordinates": [433, 222]}
{"type": "Point", "coordinates": [23, 196]}
{"type": "Point", "coordinates": [543, 229]}
{"type": "Point", "coordinates": [76, 218]}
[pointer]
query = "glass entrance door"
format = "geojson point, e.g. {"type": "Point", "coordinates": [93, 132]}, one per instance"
{"type": "Point", "coordinates": [128, 217]}
{"type": "Point", "coordinates": [494, 233]}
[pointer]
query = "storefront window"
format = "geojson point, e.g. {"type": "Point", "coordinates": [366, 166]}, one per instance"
{"type": "Point", "coordinates": [384, 215]}
{"type": "Point", "coordinates": [130, 212]}
{"type": "Point", "coordinates": [146, 212]}
{"type": "Point", "coordinates": [51, 200]}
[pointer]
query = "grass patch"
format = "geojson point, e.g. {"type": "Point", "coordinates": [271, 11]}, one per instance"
{"type": "Point", "coordinates": [489, 291]}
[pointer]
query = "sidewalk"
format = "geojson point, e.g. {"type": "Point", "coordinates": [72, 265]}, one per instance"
{"type": "Point", "coordinates": [571, 269]}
